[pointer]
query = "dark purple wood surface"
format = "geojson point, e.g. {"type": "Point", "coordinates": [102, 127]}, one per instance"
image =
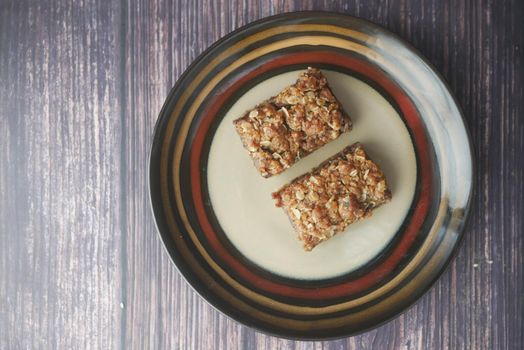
{"type": "Point", "coordinates": [81, 85]}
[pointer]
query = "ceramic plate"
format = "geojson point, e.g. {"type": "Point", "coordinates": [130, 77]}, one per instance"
{"type": "Point", "coordinates": [215, 213]}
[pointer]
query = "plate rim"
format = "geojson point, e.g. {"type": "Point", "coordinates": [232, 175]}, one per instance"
{"type": "Point", "coordinates": [163, 118]}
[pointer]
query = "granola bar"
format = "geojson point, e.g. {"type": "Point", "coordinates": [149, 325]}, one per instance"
{"type": "Point", "coordinates": [343, 189]}
{"type": "Point", "coordinates": [292, 124]}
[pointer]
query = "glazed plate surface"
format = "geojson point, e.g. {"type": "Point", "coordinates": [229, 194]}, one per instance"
{"type": "Point", "coordinates": [215, 213]}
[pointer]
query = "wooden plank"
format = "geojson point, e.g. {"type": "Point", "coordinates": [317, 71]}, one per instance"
{"type": "Point", "coordinates": [60, 150]}
{"type": "Point", "coordinates": [162, 38]}
{"type": "Point", "coordinates": [474, 45]}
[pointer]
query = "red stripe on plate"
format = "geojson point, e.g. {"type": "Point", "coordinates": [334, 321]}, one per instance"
{"type": "Point", "coordinates": [415, 124]}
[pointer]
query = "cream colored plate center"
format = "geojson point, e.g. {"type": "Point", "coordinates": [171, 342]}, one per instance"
{"type": "Point", "coordinates": [242, 202]}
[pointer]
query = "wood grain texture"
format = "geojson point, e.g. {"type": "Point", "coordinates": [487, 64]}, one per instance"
{"type": "Point", "coordinates": [60, 132]}
{"type": "Point", "coordinates": [81, 86]}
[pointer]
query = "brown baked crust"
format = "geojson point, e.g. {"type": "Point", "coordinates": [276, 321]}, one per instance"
{"type": "Point", "coordinates": [343, 189]}
{"type": "Point", "coordinates": [300, 119]}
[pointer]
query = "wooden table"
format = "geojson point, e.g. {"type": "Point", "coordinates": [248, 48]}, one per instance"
{"type": "Point", "coordinates": [81, 85]}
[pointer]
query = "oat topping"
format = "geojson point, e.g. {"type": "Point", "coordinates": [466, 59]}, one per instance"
{"type": "Point", "coordinates": [292, 124]}
{"type": "Point", "coordinates": [342, 190]}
